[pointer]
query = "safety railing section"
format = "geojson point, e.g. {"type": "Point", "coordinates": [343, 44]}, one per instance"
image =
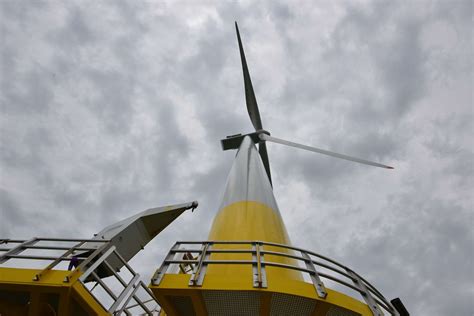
{"type": "Point", "coordinates": [196, 256]}
{"type": "Point", "coordinates": [119, 292]}
{"type": "Point", "coordinates": [56, 253]}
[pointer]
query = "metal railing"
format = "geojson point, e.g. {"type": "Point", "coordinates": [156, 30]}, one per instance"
{"type": "Point", "coordinates": [319, 268]}
{"type": "Point", "coordinates": [91, 266]}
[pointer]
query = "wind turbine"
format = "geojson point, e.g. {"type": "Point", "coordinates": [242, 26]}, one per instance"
{"type": "Point", "coordinates": [248, 265]}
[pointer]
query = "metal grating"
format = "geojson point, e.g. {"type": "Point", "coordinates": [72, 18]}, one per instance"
{"type": "Point", "coordinates": [182, 304]}
{"type": "Point", "coordinates": [236, 303]}
{"type": "Point", "coordinates": [284, 304]}
{"type": "Point", "coordinates": [337, 311]}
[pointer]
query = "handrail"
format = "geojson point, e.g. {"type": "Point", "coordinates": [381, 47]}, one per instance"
{"type": "Point", "coordinates": [350, 279]}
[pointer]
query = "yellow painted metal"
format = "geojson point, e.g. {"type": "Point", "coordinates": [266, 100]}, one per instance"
{"type": "Point", "coordinates": [249, 220]}
{"type": "Point", "coordinates": [47, 296]}
{"type": "Point", "coordinates": [53, 278]}
{"type": "Point", "coordinates": [84, 298]}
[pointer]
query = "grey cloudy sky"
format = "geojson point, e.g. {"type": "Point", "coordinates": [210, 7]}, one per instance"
{"type": "Point", "coordinates": [112, 107]}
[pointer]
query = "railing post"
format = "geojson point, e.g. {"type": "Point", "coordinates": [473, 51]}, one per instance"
{"type": "Point", "coordinates": [197, 277]}
{"type": "Point", "coordinates": [156, 279]}
{"type": "Point", "coordinates": [364, 291]}
{"type": "Point", "coordinates": [318, 284]}
{"type": "Point", "coordinates": [258, 266]}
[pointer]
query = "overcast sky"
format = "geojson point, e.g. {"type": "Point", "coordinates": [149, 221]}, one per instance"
{"type": "Point", "coordinates": [112, 107]}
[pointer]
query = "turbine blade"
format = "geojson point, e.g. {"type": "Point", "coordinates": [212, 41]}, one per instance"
{"type": "Point", "coordinates": [250, 99]}
{"type": "Point", "coordinates": [252, 106]}
{"type": "Point", "coordinates": [262, 148]}
{"type": "Point", "coordinates": [266, 137]}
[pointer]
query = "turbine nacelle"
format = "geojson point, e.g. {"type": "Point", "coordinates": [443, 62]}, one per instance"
{"type": "Point", "coordinates": [234, 141]}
